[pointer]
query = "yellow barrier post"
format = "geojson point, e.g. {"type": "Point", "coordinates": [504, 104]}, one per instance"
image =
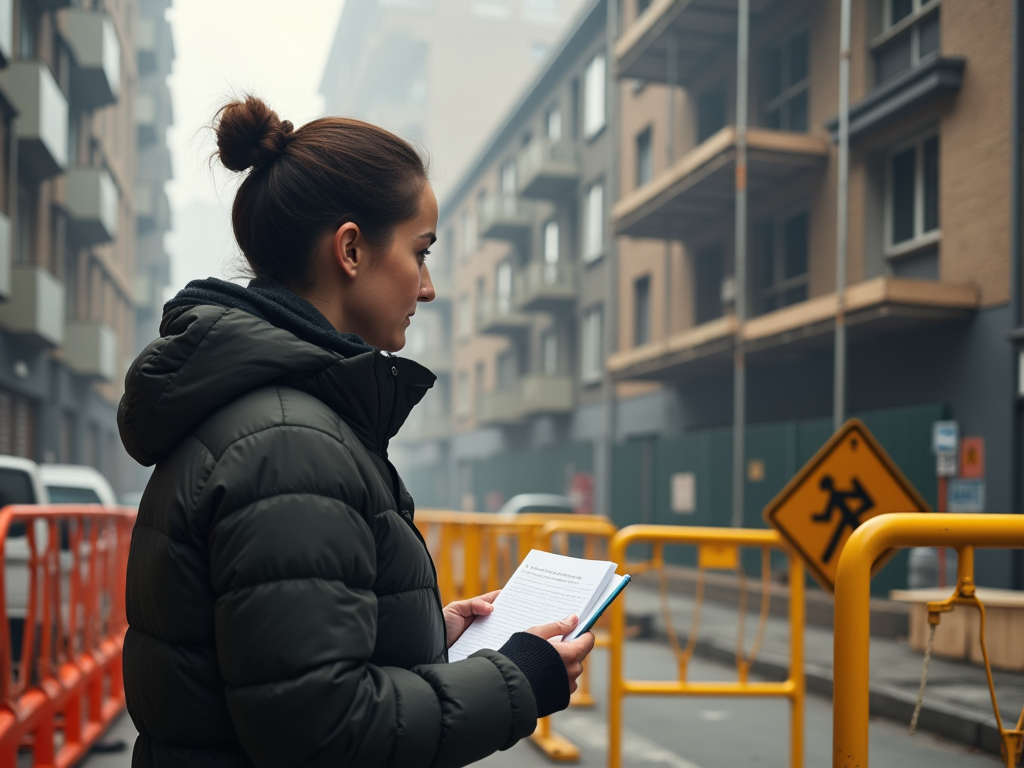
{"type": "Point", "coordinates": [792, 689]}
{"type": "Point", "coordinates": [852, 661]}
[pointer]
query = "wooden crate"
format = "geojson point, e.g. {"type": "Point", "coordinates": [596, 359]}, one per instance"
{"type": "Point", "coordinates": [958, 634]}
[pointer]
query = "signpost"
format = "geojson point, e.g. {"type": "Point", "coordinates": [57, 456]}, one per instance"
{"type": "Point", "coordinates": [946, 447]}
{"type": "Point", "coordinates": [850, 480]}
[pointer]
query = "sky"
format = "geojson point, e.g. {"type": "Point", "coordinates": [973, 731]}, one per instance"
{"type": "Point", "coordinates": [225, 48]}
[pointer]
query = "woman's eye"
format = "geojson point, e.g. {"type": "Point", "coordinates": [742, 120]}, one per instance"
{"type": "Point", "coordinates": [423, 254]}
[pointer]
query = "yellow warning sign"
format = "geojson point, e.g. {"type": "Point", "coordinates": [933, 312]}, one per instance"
{"type": "Point", "coordinates": [850, 480]}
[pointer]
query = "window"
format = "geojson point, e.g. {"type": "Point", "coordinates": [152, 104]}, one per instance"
{"type": "Point", "coordinates": [786, 84]}
{"type": "Point", "coordinates": [508, 178]}
{"type": "Point", "coordinates": [592, 353]}
{"type": "Point", "coordinates": [468, 234]}
{"type": "Point", "coordinates": [593, 223]}
{"type": "Point", "coordinates": [26, 222]}
{"type": "Point", "coordinates": [27, 26]}
{"type": "Point", "coordinates": [644, 157]}
{"type": "Point", "coordinates": [478, 376]}
{"type": "Point", "coordinates": [710, 113]}
{"type": "Point", "coordinates": [551, 252]}
{"type": "Point", "coordinates": [465, 317]}
{"type": "Point", "coordinates": [913, 194]}
{"type": "Point", "coordinates": [549, 353]}
{"type": "Point", "coordinates": [462, 394]}
{"type": "Point", "coordinates": [642, 311]}
{"type": "Point", "coordinates": [594, 97]}
{"type": "Point", "coordinates": [707, 283]}
{"type": "Point", "coordinates": [553, 124]}
{"type": "Point", "coordinates": [641, 7]}
{"type": "Point", "coordinates": [493, 9]}
{"type": "Point", "coordinates": [574, 100]}
{"type": "Point", "coordinates": [504, 285]}
{"type": "Point", "coordinates": [780, 261]}
{"type": "Point", "coordinates": [910, 36]}
{"type": "Point", "coordinates": [506, 371]}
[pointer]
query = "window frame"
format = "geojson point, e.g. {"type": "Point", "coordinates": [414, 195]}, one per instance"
{"type": "Point", "coordinates": [549, 344]}
{"type": "Point", "coordinates": [644, 139]}
{"type": "Point", "coordinates": [595, 96]}
{"type": "Point", "coordinates": [642, 320]}
{"type": "Point", "coordinates": [593, 251]}
{"type": "Point", "coordinates": [921, 238]}
{"type": "Point", "coordinates": [790, 92]}
{"type": "Point", "coordinates": [592, 360]}
{"type": "Point", "coordinates": [922, 9]}
{"type": "Point", "coordinates": [774, 289]}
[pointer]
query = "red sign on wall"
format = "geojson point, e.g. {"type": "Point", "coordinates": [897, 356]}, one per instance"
{"type": "Point", "coordinates": [582, 493]}
{"type": "Point", "coordinates": [972, 457]}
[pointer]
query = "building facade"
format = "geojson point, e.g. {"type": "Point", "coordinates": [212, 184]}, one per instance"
{"type": "Point", "coordinates": [439, 72]}
{"type": "Point", "coordinates": [69, 244]}
{"type": "Point", "coordinates": [930, 288]}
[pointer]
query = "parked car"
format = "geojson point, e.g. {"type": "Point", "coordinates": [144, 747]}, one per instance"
{"type": "Point", "coordinates": [76, 484]}
{"type": "Point", "coordinates": [549, 503]}
{"type": "Point", "coordinates": [20, 483]}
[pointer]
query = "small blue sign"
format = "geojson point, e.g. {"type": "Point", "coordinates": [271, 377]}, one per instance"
{"type": "Point", "coordinates": [945, 437]}
{"type": "Point", "coordinates": [965, 496]}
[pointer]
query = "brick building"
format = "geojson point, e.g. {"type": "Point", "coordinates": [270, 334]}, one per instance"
{"type": "Point", "coordinates": [70, 230]}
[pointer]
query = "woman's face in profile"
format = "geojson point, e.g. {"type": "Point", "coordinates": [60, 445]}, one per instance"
{"type": "Point", "coordinates": [387, 292]}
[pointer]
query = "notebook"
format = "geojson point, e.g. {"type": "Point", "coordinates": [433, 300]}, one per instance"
{"type": "Point", "coordinates": [546, 587]}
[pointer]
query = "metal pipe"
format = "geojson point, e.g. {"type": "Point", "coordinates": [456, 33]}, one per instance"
{"type": "Point", "coordinates": [1016, 269]}
{"type": "Point", "coordinates": [611, 284]}
{"type": "Point", "coordinates": [739, 401]}
{"type": "Point", "coordinates": [842, 220]}
{"type": "Point", "coordinates": [670, 151]}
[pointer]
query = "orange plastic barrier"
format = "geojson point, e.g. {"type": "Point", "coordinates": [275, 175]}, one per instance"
{"type": "Point", "coordinates": [62, 587]}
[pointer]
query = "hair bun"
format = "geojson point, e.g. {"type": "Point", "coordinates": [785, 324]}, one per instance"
{"type": "Point", "coordinates": [250, 134]}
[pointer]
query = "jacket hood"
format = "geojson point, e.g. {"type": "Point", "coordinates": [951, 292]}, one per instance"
{"type": "Point", "coordinates": [209, 354]}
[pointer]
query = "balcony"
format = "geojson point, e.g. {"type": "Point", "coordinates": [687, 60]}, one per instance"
{"type": "Point", "coordinates": [548, 170]}
{"type": "Point", "coordinates": [6, 32]}
{"type": "Point", "coordinates": [92, 203]}
{"type": "Point", "coordinates": [147, 44]}
{"type": "Point", "coordinates": [546, 288]}
{"type": "Point", "coordinates": [543, 394]}
{"type": "Point", "coordinates": [883, 305]}
{"type": "Point", "coordinates": [498, 407]}
{"type": "Point", "coordinates": [42, 117]}
{"type": "Point", "coordinates": [435, 357]}
{"type": "Point", "coordinates": [152, 208]}
{"type": "Point", "coordinates": [505, 217]}
{"type": "Point", "coordinates": [497, 315]}
{"type": "Point", "coordinates": [96, 80]}
{"type": "Point", "coordinates": [145, 118]}
{"type": "Point", "coordinates": [36, 307]}
{"type": "Point", "coordinates": [90, 349]}
{"type": "Point", "coordinates": [701, 185]}
{"type": "Point", "coordinates": [701, 29]}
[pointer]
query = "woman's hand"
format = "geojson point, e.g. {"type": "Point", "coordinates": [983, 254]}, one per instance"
{"type": "Point", "coordinates": [573, 652]}
{"type": "Point", "coordinates": [460, 614]}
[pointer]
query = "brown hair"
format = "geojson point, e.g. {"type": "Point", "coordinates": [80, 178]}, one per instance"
{"type": "Point", "coordinates": [305, 183]}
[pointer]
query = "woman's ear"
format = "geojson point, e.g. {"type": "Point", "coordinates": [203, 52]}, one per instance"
{"type": "Point", "coordinates": [349, 249]}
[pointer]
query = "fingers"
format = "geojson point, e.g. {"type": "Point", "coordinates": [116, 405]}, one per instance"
{"type": "Point", "coordinates": [479, 606]}
{"type": "Point", "coordinates": [555, 628]}
{"type": "Point", "coordinates": [475, 606]}
{"type": "Point", "coordinates": [490, 596]}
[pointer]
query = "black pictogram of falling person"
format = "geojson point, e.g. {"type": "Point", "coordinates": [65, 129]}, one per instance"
{"type": "Point", "coordinates": [840, 501]}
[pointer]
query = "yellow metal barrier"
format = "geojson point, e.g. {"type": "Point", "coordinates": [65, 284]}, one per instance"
{"type": "Point", "coordinates": [851, 661]}
{"type": "Point", "coordinates": [476, 552]}
{"type": "Point", "coordinates": [718, 547]}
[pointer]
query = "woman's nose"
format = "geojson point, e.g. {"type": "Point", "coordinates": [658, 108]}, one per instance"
{"type": "Point", "coordinates": [427, 292]}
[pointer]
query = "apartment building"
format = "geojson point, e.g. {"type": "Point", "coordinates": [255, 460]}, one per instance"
{"type": "Point", "coordinates": [439, 72]}
{"type": "Point", "coordinates": [524, 232]}
{"type": "Point", "coordinates": [68, 238]}
{"type": "Point", "coordinates": [930, 268]}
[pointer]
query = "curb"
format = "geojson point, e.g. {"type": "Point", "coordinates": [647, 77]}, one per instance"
{"type": "Point", "coordinates": [886, 701]}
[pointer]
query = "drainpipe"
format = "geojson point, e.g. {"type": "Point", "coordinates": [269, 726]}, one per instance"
{"type": "Point", "coordinates": [739, 395]}
{"type": "Point", "coordinates": [611, 325]}
{"type": "Point", "coordinates": [842, 220]}
{"type": "Point", "coordinates": [1016, 202]}
{"type": "Point", "coordinates": [670, 150]}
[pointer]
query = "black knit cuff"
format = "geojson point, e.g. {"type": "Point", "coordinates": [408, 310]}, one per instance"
{"type": "Point", "coordinates": [540, 663]}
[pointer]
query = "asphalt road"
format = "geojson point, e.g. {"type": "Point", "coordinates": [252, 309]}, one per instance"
{"type": "Point", "coordinates": [696, 733]}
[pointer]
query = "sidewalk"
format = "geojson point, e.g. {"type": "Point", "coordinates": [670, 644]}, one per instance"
{"type": "Point", "coordinates": [956, 701]}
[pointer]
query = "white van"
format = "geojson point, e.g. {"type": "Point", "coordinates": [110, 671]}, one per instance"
{"type": "Point", "coordinates": [76, 484]}
{"type": "Point", "coordinates": [20, 483]}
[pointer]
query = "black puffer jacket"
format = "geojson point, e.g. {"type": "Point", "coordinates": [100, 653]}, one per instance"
{"type": "Point", "coordinates": [283, 609]}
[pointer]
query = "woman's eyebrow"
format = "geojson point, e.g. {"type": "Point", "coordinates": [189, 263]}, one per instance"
{"type": "Point", "coordinates": [426, 235]}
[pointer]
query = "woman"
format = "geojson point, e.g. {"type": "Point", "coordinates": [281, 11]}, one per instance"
{"type": "Point", "coordinates": [283, 609]}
